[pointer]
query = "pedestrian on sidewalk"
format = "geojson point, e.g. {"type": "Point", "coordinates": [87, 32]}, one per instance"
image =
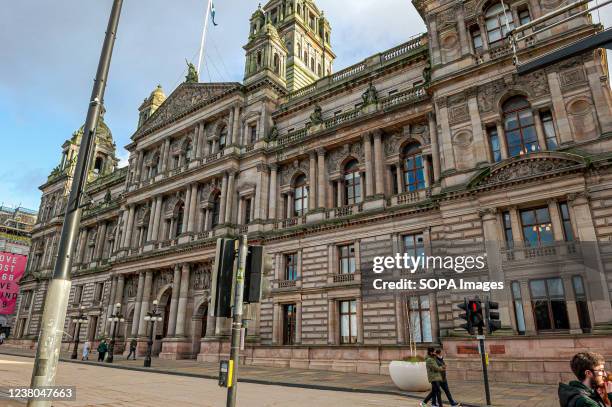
{"type": "Point", "coordinates": [86, 350]}
{"type": "Point", "coordinates": [434, 375]}
{"type": "Point", "coordinates": [2, 338]}
{"type": "Point", "coordinates": [133, 344]}
{"type": "Point", "coordinates": [444, 383]}
{"type": "Point", "coordinates": [102, 349]}
{"type": "Point", "coordinates": [592, 387]}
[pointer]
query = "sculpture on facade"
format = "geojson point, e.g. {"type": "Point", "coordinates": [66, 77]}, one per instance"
{"type": "Point", "coordinates": [370, 96]}
{"type": "Point", "coordinates": [273, 132]}
{"type": "Point", "coordinates": [192, 74]}
{"type": "Point", "coordinates": [316, 117]}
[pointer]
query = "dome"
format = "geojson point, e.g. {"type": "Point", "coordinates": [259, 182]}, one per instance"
{"type": "Point", "coordinates": [104, 136]}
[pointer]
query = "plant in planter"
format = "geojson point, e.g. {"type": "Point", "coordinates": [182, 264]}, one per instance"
{"type": "Point", "coordinates": [410, 373]}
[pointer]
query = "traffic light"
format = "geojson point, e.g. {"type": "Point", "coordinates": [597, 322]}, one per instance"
{"type": "Point", "coordinates": [223, 278]}
{"type": "Point", "coordinates": [252, 274]}
{"type": "Point", "coordinates": [476, 315]}
{"type": "Point", "coordinates": [493, 322]}
{"type": "Point", "coordinates": [466, 316]}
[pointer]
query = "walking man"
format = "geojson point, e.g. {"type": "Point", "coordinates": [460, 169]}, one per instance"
{"type": "Point", "coordinates": [102, 349]}
{"type": "Point", "coordinates": [86, 350]}
{"type": "Point", "coordinates": [434, 375]}
{"type": "Point", "coordinates": [133, 344]}
{"type": "Point", "coordinates": [2, 338]}
{"type": "Point", "coordinates": [591, 385]}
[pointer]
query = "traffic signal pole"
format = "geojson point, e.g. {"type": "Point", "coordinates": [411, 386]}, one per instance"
{"type": "Point", "coordinates": [483, 358]}
{"type": "Point", "coordinates": [237, 323]}
{"type": "Point", "coordinates": [56, 301]}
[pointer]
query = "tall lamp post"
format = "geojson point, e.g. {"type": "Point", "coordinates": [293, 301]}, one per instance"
{"type": "Point", "coordinates": [152, 317]}
{"type": "Point", "coordinates": [115, 319]}
{"type": "Point", "coordinates": [80, 319]}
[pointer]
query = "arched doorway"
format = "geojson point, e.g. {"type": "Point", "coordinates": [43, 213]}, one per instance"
{"type": "Point", "coordinates": [199, 320]}
{"type": "Point", "coordinates": [161, 328]}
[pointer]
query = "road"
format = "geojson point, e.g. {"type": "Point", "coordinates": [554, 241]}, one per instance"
{"type": "Point", "coordinates": [100, 386]}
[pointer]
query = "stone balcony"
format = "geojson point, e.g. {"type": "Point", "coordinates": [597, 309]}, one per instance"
{"type": "Point", "coordinates": [336, 280]}
{"type": "Point", "coordinates": [286, 285]}
{"type": "Point", "coordinates": [522, 254]}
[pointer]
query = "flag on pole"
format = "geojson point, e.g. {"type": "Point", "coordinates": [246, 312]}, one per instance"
{"type": "Point", "coordinates": [213, 12]}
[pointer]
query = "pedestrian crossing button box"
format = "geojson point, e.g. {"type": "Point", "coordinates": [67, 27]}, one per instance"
{"type": "Point", "coordinates": [223, 373]}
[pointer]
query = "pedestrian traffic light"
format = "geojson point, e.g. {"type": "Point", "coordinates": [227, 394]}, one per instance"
{"type": "Point", "coordinates": [252, 275]}
{"type": "Point", "coordinates": [493, 322]}
{"type": "Point", "coordinates": [476, 315]}
{"type": "Point", "coordinates": [223, 278]}
{"type": "Point", "coordinates": [466, 316]}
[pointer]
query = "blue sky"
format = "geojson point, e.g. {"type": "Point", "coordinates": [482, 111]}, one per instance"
{"type": "Point", "coordinates": [50, 50]}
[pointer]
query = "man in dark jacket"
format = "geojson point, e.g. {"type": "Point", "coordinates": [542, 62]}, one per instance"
{"type": "Point", "coordinates": [102, 349]}
{"type": "Point", "coordinates": [133, 346]}
{"type": "Point", "coordinates": [590, 370]}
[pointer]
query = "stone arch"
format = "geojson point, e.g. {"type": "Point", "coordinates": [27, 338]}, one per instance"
{"type": "Point", "coordinates": [463, 145]}
{"type": "Point", "coordinates": [199, 323]}
{"type": "Point", "coordinates": [297, 174]}
{"type": "Point", "coordinates": [517, 90]}
{"type": "Point", "coordinates": [346, 160]}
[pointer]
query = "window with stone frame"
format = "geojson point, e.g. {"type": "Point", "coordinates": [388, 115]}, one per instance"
{"type": "Point", "coordinates": [519, 312]}
{"type": "Point", "coordinates": [498, 22]}
{"type": "Point", "coordinates": [476, 38]}
{"type": "Point", "coordinates": [537, 227]}
{"type": "Point", "coordinates": [582, 305]}
{"type": "Point", "coordinates": [247, 211]}
{"type": "Point", "coordinates": [494, 144]}
{"type": "Point", "coordinates": [289, 324]}
{"type": "Point", "coordinates": [507, 224]}
{"type": "Point", "coordinates": [216, 210]}
{"type": "Point", "coordinates": [291, 266]}
{"type": "Point", "coordinates": [413, 168]}
{"type": "Point", "coordinates": [523, 14]}
{"type": "Point", "coordinates": [98, 291]}
{"type": "Point", "coordinates": [352, 183]}
{"type": "Point", "coordinates": [566, 221]}
{"type": "Point", "coordinates": [520, 132]}
{"type": "Point", "coordinates": [223, 138]}
{"type": "Point", "coordinates": [78, 295]}
{"type": "Point", "coordinates": [414, 245]}
{"type": "Point", "coordinates": [348, 321]}
{"type": "Point", "coordinates": [549, 129]}
{"type": "Point", "coordinates": [549, 304]}
{"type": "Point", "coordinates": [300, 196]}
{"type": "Point", "coordinates": [178, 220]}
{"type": "Point", "coordinates": [346, 259]}
{"type": "Point", "coordinates": [419, 317]}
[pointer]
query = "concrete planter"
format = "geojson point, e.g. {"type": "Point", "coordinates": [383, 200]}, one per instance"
{"type": "Point", "coordinates": [409, 376]}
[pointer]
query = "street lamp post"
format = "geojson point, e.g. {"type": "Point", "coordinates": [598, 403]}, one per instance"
{"type": "Point", "coordinates": [152, 317]}
{"type": "Point", "coordinates": [80, 319]}
{"type": "Point", "coordinates": [115, 319]}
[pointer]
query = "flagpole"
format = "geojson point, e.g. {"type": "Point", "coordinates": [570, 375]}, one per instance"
{"type": "Point", "coordinates": [203, 41]}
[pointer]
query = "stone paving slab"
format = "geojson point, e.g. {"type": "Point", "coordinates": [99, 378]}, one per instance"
{"type": "Point", "coordinates": [469, 393]}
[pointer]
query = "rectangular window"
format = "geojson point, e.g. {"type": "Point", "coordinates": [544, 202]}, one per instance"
{"type": "Point", "coordinates": [348, 321]}
{"type": "Point", "coordinates": [523, 15]}
{"type": "Point", "coordinates": [508, 229]}
{"type": "Point", "coordinates": [394, 180]}
{"type": "Point", "coordinates": [414, 245]}
{"type": "Point", "coordinates": [494, 144]}
{"type": "Point", "coordinates": [252, 134]}
{"type": "Point", "coordinates": [78, 295]}
{"type": "Point", "coordinates": [537, 227]}
{"type": "Point", "coordinates": [476, 38]}
{"type": "Point", "coordinates": [247, 211]}
{"type": "Point", "coordinates": [518, 307]}
{"type": "Point", "coordinates": [549, 306]}
{"type": "Point", "coordinates": [98, 292]}
{"type": "Point", "coordinates": [549, 129]}
{"type": "Point", "coordinates": [347, 259]}
{"type": "Point", "coordinates": [289, 319]}
{"type": "Point", "coordinates": [581, 304]}
{"type": "Point", "coordinates": [420, 318]}
{"type": "Point", "coordinates": [568, 232]}
{"type": "Point", "coordinates": [291, 266]}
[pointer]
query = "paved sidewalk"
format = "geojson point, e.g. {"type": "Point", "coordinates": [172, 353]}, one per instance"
{"type": "Point", "coordinates": [468, 393]}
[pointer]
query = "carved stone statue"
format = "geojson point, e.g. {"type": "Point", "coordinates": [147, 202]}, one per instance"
{"type": "Point", "coordinates": [427, 72]}
{"type": "Point", "coordinates": [108, 197]}
{"type": "Point", "coordinates": [273, 133]}
{"type": "Point", "coordinates": [192, 74]}
{"type": "Point", "coordinates": [317, 116]}
{"type": "Point", "coordinates": [370, 96]}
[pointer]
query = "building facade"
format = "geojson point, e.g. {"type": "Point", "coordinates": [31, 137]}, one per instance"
{"type": "Point", "coordinates": [435, 140]}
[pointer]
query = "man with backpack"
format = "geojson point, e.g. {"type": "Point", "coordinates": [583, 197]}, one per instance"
{"type": "Point", "coordinates": [592, 384]}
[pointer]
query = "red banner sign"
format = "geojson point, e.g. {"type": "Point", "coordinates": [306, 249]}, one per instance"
{"type": "Point", "coordinates": [12, 267]}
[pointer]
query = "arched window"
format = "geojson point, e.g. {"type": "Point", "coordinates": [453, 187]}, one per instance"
{"type": "Point", "coordinates": [276, 64]}
{"type": "Point", "coordinates": [306, 57]}
{"type": "Point", "coordinates": [259, 58]}
{"type": "Point", "coordinates": [312, 64]}
{"type": "Point", "coordinates": [352, 183]}
{"type": "Point", "coordinates": [216, 209]}
{"type": "Point", "coordinates": [178, 220]}
{"type": "Point", "coordinates": [497, 22]}
{"type": "Point", "coordinates": [412, 163]}
{"type": "Point", "coordinates": [154, 166]}
{"type": "Point", "coordinates": [300, 194]}
{"type": "Point", "coordinates": [223, 137]}
{"type": "Point", "coordinates": [520, 132]}
{"type": "Point", "coordinates": [188, 151]}
{"type": "Point", "coordinates": [99, 165]}
{"type": "Point", "coordinates": [299, 50]}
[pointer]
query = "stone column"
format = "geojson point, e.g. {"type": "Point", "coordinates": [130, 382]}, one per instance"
{"type": "Point", "coordinates": [230, 197]}
{"type": "Point", "coordinates": [539, 130]}
{"type": "Point", "coordinates": [157, 218]}
{"type": "Point", "coordinates": [289, 205]}
{"type": "Point", "coordinates": [367, 147]}
{"type": "Point", "coordinates": [82, 245]}
{"type": "Point", "coordinates": [148, 238]}
{"type": "Point", "coordinates": [321, 174]}
{"type": "Point", "coordinates": [273, 188]}
{"type": "Point", "coordinates": [448, 155]}
{"type": "Point", "coordinates": [601, 94]}
{"type": "Point", "coordinates": [138, 304]}
{"type": "Point", "coordinates": [223, 202]}
{"type": "Point", "coordinates": [312, 181]}
{"type": "Point", "coordinates": [378, 163]}
{"type": "Point", "coordinates": [182, 302]}
{"type": "Point", "coordinates": [127, 242]}
{"type": "Point", "coordinates": [99, 243]}
{"type": "Point", "coordinates": [197, 146]}
{"type": "Point", "coordinates": [176, 285]}
{"type": "Point", "coordinates": [399, 175]}
{"type": "Point", "coordinates": [555, 219]}
{"type": "Point", "coordinates": [118, 298]}
{"type": "Point", "coordinates": [433, 134]}
{"type": "Point", "coordinates": [191, 225]}
{"type": "Point", "coordinates": [139, 162]}
{"type": "Point", "coordinates": [230, 128]}
{"type": "Point", "coordinates": [186, 210]}
{"type": "Point", "coordinates": [463, 38]}
{"type": "Point", "coordinates": [563, 126]}
{"type": "Point", "coordinates": [501, 135]}
{"type": "Point", "coordinates": [111, 304]}
{"type": "Point", "coordinates": [435, 47]}
{"type": "Point", "coordinates": [236, 125]}
{"type": "Point", "coordinates": [165, 155]}
{"type": "Point", "coordinates": [260, 211]}
{"type": "Point", "coordinates": [146, 298]}
{"type": "Point", "coordinates": [572, 310]}
{"type": "Point", "coordinates": [331, 322]}
{"type": "Point", "coordinates": [477, 133]}
{"type": "Point", "coordinates": [339, 193]}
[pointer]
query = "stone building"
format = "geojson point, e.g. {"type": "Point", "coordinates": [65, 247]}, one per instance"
{"type": "Point", "coordinates": [435, 140]}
